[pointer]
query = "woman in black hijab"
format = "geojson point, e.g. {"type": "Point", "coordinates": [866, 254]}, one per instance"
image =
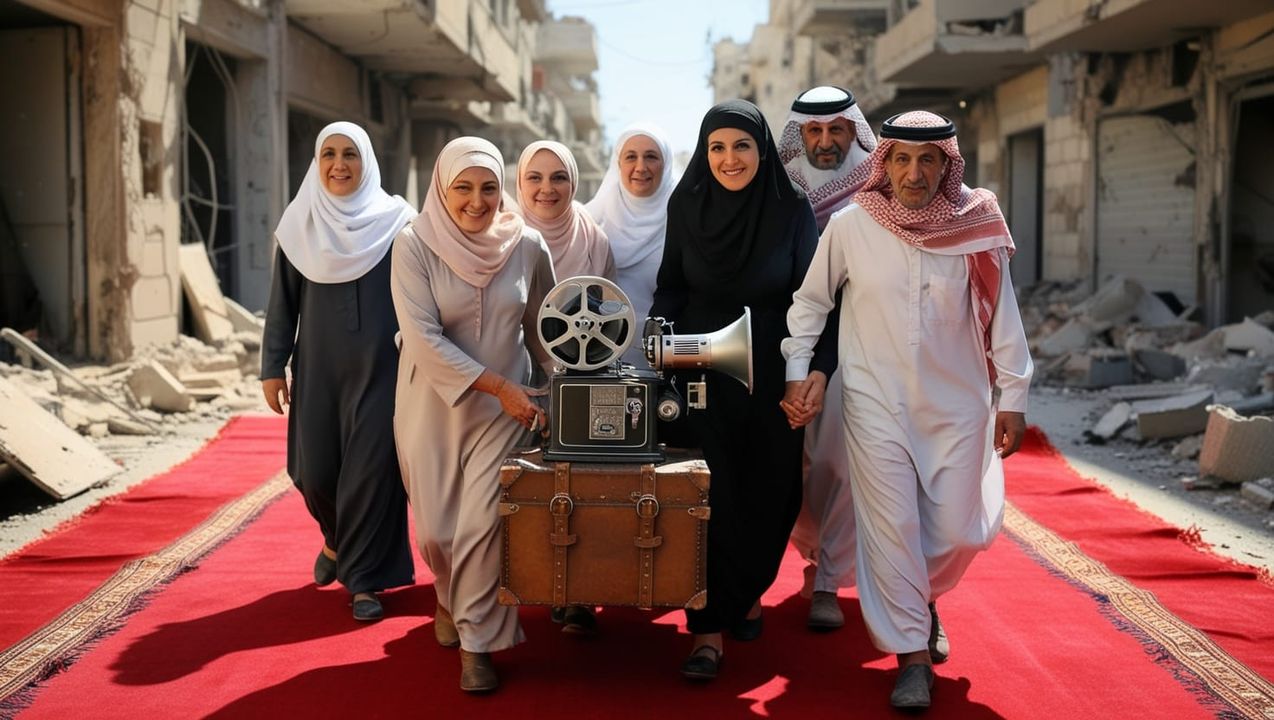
{"type": "Point", "coordinates": [740, 234]}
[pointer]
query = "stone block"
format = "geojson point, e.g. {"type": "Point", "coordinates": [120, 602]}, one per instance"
{"type": "Point", "coordinates": [1074, 335]}
{"type": "Point", "coordinates": [155, 387]}
{"type": "Point", "coordinates": [1237, 448]}
{"type": "Point", "coordinates": [1158, 364]}
{"type": "Point", "coordinates": [243, 320]}
{"type": "Point", "coordinates": [1098, 369]}
{"type": "Point", "coordinates": [1110, 424]}
{"type": "Point", "coordinates": [1173, 417]}
{"type": "Point", "coordinates": [1259, 492]}
{"type": "Point", "coordinates": [1249, 336]}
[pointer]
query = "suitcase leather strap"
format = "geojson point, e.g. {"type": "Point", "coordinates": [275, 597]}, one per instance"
{"type": "Point", "coordinates": [560, 508]}
{"type": "Point", "coordinates": [646, 541]}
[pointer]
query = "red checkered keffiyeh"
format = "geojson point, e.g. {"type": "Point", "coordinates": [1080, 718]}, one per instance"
{"type": "Point", "coordinates": [958, 221]}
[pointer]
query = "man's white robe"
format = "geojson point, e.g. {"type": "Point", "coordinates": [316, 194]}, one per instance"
{"type": "Point", "coordinates": [928, 485]}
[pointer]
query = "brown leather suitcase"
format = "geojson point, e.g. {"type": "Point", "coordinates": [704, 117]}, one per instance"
{"type": "Point", "coordinates": [604, 534]}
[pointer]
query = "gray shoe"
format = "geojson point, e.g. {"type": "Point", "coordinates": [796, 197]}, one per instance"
{"type": "Point", "coordinates": [911, 691]}
{"type": "Point", "coordinates": [825, 612]}
{"type": "Point", "coordinates": [939, 646]}
{"type": "Point", "coordinates": [477, 672]}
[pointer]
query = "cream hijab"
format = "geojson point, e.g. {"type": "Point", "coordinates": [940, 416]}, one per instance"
{"type": "Point", "coordinates": [634, 225]}
{"type": "Point", "coordinates": [573, 237]}
{"type": "Point", "coordinates": [476, 257]}
{"type": "Point", "coordinates": [334, 239]}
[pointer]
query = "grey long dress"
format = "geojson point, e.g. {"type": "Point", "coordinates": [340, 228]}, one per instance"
{"type": "Point", "coordinates": [340, 427]}
{"type": "Point", "coordinates": [452, 439]}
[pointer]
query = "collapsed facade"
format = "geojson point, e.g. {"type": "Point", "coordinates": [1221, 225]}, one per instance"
{"type": "Point", "coordinates": [1123, 138]}
{"type": "Point", "coordinates": [136, 126]}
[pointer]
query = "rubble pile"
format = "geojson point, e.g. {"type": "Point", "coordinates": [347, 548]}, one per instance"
{"type": "Point", "coordinates": [1169, 382]}
{"type": "Point", "coordinates": [160, 386]}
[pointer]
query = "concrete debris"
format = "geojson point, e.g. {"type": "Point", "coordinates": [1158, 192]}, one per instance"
{"type": "Point", "coordinates": [1208, 347]}
{"type": "Point", "coordinates": [242, 319]}
{"type": "Point", "coordinates": [1158, 364]}
{"type": "Point", "coordinates": [154, 386]}
{"type": "Point", "coordinates": [1075, 335]}
{"type": "Point", "coordinates": [1241, 375]}
{"type": "Point", "coordinates": [1249, 336]}
{"type": "Point", "coordinates": [1259, 492]}
{"type": "Point", "coordinates": [1098, 369]}
{"type": "Point", "coordinates": [124, 426]}
{"type": "Point", "coordinates": [1173, 417]}
{"type": "Point", "coordinates": [1237, 448]}
{"type": "Point", "coordinates": [1110, 424]}
{"type": "Point", "coordinates": [1123, 300]}
{"type": "Point", "coordinates": [1188, 448]}
{"type": "Point", "coordinates": [1149, 391]}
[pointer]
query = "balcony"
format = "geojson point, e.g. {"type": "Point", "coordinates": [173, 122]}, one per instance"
{"type": "Point", "coordinates": [533, 10]}
{"type": "Point", "coordinates": [835, 17]}
{"type": "Point", "coordinates": [959, 43]}
{"type": "Point", "coordinates": [453, 39]}
{"type": "Point", "coordinates": [1128, 25]}
{"type": "Point", "coordinates": [568, 45]}
{"type": "Point", "coordinates": [582, 108]}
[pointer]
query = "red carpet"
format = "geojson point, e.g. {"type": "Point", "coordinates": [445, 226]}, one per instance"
{"type": "Point", "coordinates": [246, 634]}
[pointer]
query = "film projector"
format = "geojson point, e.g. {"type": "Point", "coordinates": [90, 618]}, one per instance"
{"type": "Point", "coordinates": [603, 410]}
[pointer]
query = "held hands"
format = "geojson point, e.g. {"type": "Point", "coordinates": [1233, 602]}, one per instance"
{"type": "Point", "coordinates": [803, 399]}
{"type": "Point", "coordinates": [276, 393]}
{"type": "Point", "coordinates": [1010, 427]}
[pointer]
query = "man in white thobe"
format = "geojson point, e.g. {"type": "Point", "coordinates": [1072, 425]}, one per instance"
{"type": "Point", "coordinates": [929, 328]}
{"type": "Point", "coordinates": [823, 149]}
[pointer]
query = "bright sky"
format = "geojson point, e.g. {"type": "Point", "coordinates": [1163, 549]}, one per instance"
{"type": "Point", "coordinates": [655, 58]}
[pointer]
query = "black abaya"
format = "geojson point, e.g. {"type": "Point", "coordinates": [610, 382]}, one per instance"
{"type": "Point", "coordinates": [341, 453]}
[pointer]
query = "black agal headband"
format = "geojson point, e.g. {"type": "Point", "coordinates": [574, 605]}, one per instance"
{"type": "Point", "coordinates": [891, 131]}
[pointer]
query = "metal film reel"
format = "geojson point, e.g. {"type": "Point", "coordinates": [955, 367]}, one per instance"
{"type": "Point", "coordinates": [586, 323]}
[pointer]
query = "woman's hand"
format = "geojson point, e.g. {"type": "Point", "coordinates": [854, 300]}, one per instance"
{"type": "Point", "coordinates": [276, 393]}
{"type": "Point", "coordinates": [516, 402]}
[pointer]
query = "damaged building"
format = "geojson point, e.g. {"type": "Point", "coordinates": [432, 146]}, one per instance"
{"type": "Point", "coordinates": [144, 126]}
{"type": "Point", "coordinates": [1124, 138]}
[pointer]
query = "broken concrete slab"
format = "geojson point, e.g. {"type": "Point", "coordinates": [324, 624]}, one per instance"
{"type": "Point", "coordinates": [1173, 417]}
{"type": "Point", "coordinates": [1255, 405]}
{"type": "Point", "coordinates": [1098, 368]}
{"type": "Point", "coordinates": [52, 456]}
{"type": "Point", "coordinates": [124, 426]}
{"type": "Point", "coordinates": [220, 380]}
{"type": "Point", "coordinates": [1249, 336]}
{"type": "Point", "coordinates": [1149, 391]}
{"type": "Point", "coordinates": [1074, 335]}
{"type": "Point", "coordinates": [1158, 364]}
{"type": "Point", "coordinates": [1242, 375]}
{"type": "Point", "coordinates": [1237, 448]}
{"type": "Point", "coordinates": [203, 293]}
{"type": "Point", "coordinates": [1122, 299]}
{"type": "Point", "coordinates": [1208, 347]}
{"type": "Point", "coordinates": [1259, 492]}
{"type": "Point", "coordinates": [1110, 424]}
{"type": "Point", "coordinates": [155, 387]}
{"type": "Point", "coordinates": [242, 319]}
{"type": "Point", "coordinates": [220, 362]}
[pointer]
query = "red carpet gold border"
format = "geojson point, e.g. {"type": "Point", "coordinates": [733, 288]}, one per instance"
{"type": "Point", "coordinates": [1222, 675]}
{"type": "Point", "coordinates": [53, 645]}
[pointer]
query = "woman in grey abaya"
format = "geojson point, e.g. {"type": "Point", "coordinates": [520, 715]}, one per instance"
{"type": "Point", "coordinates": [468, 278]}
{"type": "Point", "coordinates": [331, 314]}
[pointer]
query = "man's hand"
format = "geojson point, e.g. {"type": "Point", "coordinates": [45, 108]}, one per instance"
{"type": "Point", "coordinates": [803, 400]}
{"type": "Point", "coordinates": [1010, 427]}
{"type": "Point", "coordinates": [276, 393]}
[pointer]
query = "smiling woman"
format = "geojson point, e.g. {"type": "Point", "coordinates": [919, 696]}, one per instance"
{"type": "Point", "coordinates": [340, 165]}
{"type": "Point", "coordinates": [547, 180]}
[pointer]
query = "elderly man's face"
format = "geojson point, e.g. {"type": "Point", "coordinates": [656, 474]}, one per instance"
{"type": "Point", "coordinates": [915, 172]}
{"type": "Point", "coordinates": [827, 143]}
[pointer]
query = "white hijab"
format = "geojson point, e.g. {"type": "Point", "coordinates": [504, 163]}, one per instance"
{"type": "Point", "coordinates": [332, 239]}
{"type": "Point", "coordinates": [634, 225]}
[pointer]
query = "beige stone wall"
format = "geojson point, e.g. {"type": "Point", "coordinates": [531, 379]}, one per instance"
{"type": "Point", "coordinates": [1068, 175]}
{"type": "Point", "coordinates": [152, 56]}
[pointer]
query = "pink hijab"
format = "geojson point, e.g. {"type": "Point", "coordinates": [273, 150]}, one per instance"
{"type": "Point", "coordinates": [577, 244]}
{"type": "Point", "coordinates": [475, 257]}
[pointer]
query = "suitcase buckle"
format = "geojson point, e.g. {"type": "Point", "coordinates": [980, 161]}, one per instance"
{"type": "Point", "coordinates": [561, 504]}
{"type": "Point", "coordinates": [647, 506]}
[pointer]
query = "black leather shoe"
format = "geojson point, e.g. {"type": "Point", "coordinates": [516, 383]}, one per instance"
{"type": "Point", "coordinates": [703, 664]}
{"type": "Point", "coordinates": [913, 688]}
{"type": "Point", "coordinates": [368, 608]}
{"type": "Point", "coordinates": [939, 646]}
{"type": "Point", "coordinates": [748, 630]}
{"type": "Point", "coordinates": [324, 570]}
{"type": "Point", "coordinates": [579, 620]}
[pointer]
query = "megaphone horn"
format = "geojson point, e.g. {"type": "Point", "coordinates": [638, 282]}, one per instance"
{"type": "Point", "coordinates": [728, 350]}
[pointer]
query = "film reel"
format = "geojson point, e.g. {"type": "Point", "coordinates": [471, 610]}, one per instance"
{"type": "Point", "coordinates": [586, 323]}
